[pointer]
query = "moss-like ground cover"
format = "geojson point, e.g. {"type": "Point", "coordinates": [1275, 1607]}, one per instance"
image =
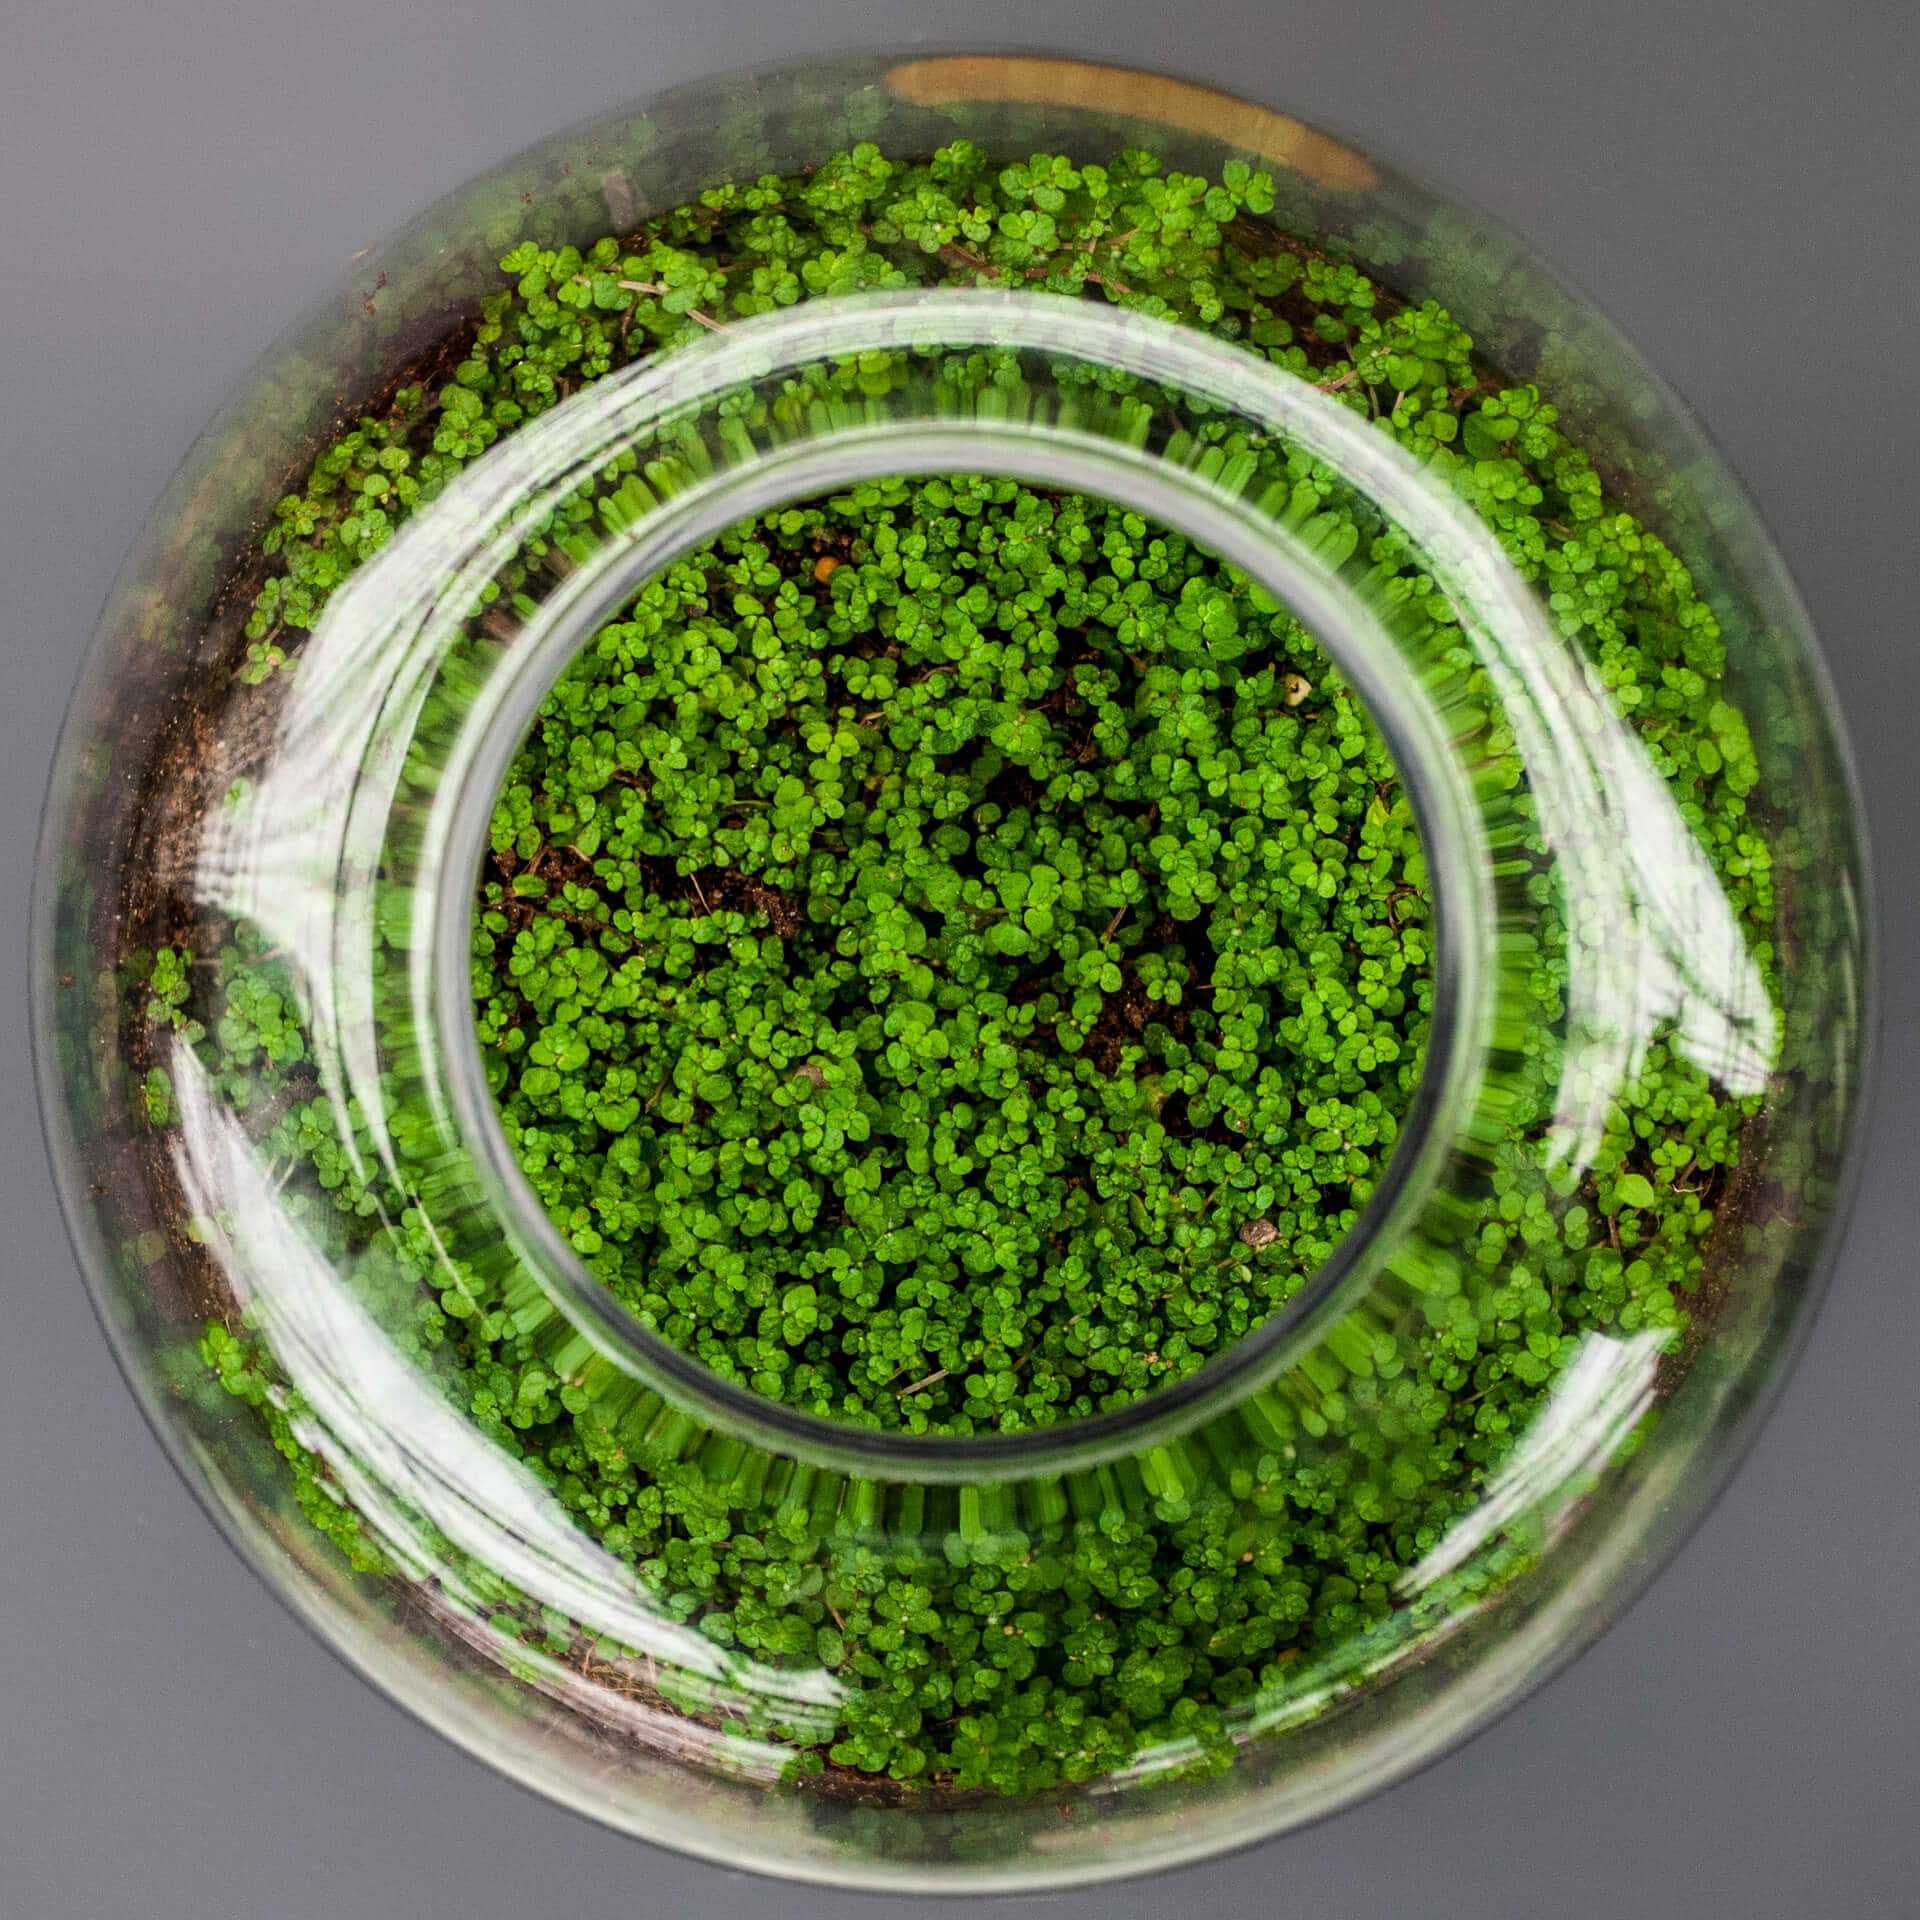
{"type": "Point", "coordinates": [952, 958]}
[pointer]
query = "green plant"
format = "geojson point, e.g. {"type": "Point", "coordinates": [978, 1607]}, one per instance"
{"type": "Point", "coordinates": [934, 968]}
{"type": "Point", "coordinates": [1157, 933]}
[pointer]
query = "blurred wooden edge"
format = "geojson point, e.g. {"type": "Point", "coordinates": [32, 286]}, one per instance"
{"type": "Point", "coordinates": [1036, 81]}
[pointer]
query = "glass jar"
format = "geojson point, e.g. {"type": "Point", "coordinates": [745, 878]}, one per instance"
{"type": "Point", "coordinates": [337, 816]}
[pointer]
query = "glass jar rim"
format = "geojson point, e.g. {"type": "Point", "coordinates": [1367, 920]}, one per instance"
{"type": "Point", "coordinates": [1462, 967]}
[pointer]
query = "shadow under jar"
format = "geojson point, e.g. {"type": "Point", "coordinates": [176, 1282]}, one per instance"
{"type": "Point", "coordinates": [853, 1652]}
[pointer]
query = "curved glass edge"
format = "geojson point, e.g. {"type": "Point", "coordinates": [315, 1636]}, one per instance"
{"type": "Point", "coordinates": [1729, 542]}
{"type": "Point", "coordinates": [1031, 432]}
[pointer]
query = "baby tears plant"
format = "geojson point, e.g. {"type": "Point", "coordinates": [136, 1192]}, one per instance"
{"type": "Point", "coordinates": [953, 957]}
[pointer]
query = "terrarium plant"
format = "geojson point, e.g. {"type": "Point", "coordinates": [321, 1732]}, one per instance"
{"type": "Point", "coordinates": [953, 956]}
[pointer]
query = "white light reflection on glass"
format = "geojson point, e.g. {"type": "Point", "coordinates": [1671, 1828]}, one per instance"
{"type": "Point", "coordinates": [418, 1475]}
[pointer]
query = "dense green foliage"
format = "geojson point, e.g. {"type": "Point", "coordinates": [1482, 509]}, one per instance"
{"type": "Point", "coordinates": [783, 922]}
{"type": "Point", "coordinates": [959, 987]}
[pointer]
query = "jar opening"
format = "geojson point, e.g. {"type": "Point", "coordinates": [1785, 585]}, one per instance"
{"type": "Point", "coordinates": [1345, 631]}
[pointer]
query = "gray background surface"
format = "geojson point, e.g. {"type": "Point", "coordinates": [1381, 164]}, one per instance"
{"type": "Point", "coordinates": [178, 177]}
